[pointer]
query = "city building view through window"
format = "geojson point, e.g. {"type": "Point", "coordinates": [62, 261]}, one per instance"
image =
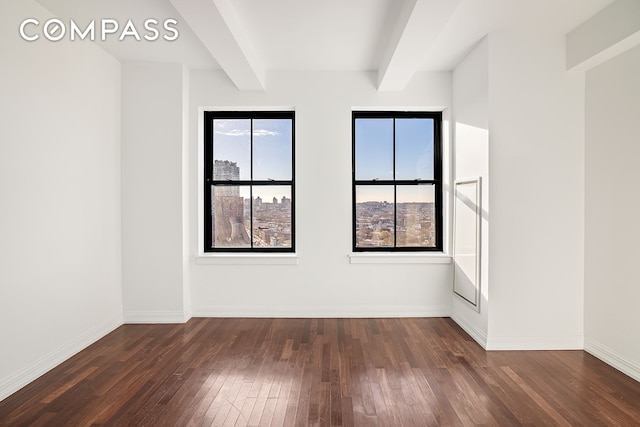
{"type": "Point", "coordinates": [249, 171]}
{"type": "Point", "coordinates": [396, 186]}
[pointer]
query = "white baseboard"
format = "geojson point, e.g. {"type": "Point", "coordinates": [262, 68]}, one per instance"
{"type": "Point", "coordinates": [613, 358]}
{"type": "Point", "coordinates": [324, 312]}
{"type": "Point", "coordinates": [476, 333]}
{"type": "Point", "coordinates": [149, 317]}
{"type": "Point", "coordinates": [574, 342]}
{"type": "Point", "coordinates": [49, 361]}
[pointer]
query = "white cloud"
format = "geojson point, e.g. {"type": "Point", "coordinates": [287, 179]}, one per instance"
{"type": "Point", "coordinates": [265, 132]}
{"type": "Point", "coordinates": [233, 132]}
{"type": "Point", "coordinates": [245, 132]}
{"type": "Point", "coordinates": [240, 128]}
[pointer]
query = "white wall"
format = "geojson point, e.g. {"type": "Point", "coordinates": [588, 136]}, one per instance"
{"type": "Point", "coordinates": [60, 269]}
{"type": "Point", "coordinates": [153, 215]}
{"type": "Point", "coordinates": [612, 249]}
{"type": "Point", "coordinates": [323, 283]}
{"type": "Point", "coordinates": [471, 160]}
{"type": "Point", "coordinates": [536, 151]}
{"type": "Point", "coordinates": [60, 256]}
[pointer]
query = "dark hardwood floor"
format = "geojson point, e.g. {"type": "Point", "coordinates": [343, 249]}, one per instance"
{"type": "Point", "coordinates": [286, 372]}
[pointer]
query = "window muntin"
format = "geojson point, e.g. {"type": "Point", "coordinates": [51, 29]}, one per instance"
{"type": "Point", "coordinates": [249, 187]}
{"type": "Point", "coordinates": [397, 184]}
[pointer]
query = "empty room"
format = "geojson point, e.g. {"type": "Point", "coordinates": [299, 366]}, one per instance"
{"type": "Point", "coordinates": [338, 212]}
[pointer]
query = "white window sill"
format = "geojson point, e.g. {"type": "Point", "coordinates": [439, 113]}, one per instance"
{"type": "Point", "coordinates": [247, 259]}
{"type": "Point", "coordinates": [397, 258]}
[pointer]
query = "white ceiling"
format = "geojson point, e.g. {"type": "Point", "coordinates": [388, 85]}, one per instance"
{"type": "Point", "coordinates": [318, 34]}
{"type": "Point", "coordinates": [387, 36]}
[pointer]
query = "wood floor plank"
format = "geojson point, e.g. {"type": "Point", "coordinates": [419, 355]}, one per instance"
{"type": "Point", "coordinates": [333, 372]}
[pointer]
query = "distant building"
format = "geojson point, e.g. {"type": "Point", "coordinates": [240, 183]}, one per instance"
{"type": "Point", "coordinates": [224, 170]}
{"type": "Point", "coordinates": [228, 207]}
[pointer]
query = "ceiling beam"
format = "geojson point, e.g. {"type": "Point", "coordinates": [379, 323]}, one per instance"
{"type": "Point", "coordinates": [217, 25]}
{"type": "Point", "coordinates": [612, 31]}
{"type": "Point", "coordinates": [416, 30]}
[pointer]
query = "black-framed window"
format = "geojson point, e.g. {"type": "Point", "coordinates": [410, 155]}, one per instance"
{"type": "Point", "coordinates": [249, 191]}
{"type": "Point", "coordinates": [397, 181]}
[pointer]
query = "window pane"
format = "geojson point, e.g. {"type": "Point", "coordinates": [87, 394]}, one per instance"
{"type": "Point", "coordinates": [415, 212]}
{"type": "Point", "coordinates": [374, 149]}
{"type": "Point", "coordinates": [374, 216]}
{"type": "Point", "coordinates": [272, 216]}
{"type": "Point", "coordinates": [414, 148]}
{"type": "Point", "coordinates": [232, 149]}
{"type": "Point", "coordinates": [272, 149]}
{"type": "Point", "coordinates": [230, 219]}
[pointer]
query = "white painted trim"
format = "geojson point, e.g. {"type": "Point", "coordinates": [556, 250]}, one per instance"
{"type": "Point", "coordinates": [476, 333]}
{"type": "Point", "coordinates": [42, 365]}
{"type": "Point", "coordinates": [392, 258]}
{"type": "Point", "coordinates": [399, 108]}
{"type": "Point", "coordinates": [147, 317]}
{"type": "Point", "coordinates": [247, 259]}
{"type": "Point", "coordinates": [324, 312]}
{"type": "Point", "coordinates": [201, 110]}
{"type": "Point", "coordinates": [613, 358]}
{"type": "Point", "coordinates": [478, 241]}
{"type": "Point", "coordinates": [572, 342]}
{"type": "Point", "coordinates": [203, 257]}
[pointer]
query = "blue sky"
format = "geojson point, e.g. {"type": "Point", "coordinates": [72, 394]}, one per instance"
{"type": "Point", "coordinates": [374, 154]}
{"type": "Point", "coordinates": [405, 194]}
{"type": "Point", "coordinates": [414, 157]}
{"type": "Point", "coordinates": [374, 149]}
{"type": "Point", "coordinates": [271, 146]}
{"type": "Point", "coordinates": [267, 192]}
{"type": "Point", "coordinates": [271, 152]}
